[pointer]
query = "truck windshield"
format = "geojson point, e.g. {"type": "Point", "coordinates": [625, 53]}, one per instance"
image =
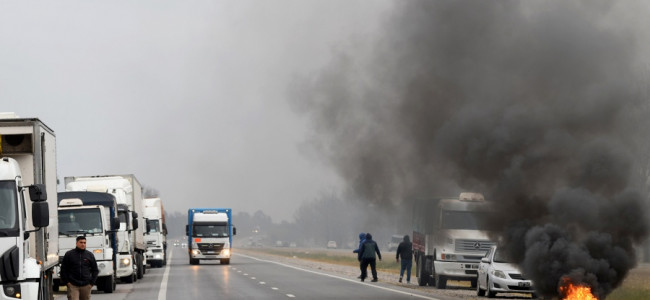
{"type": "Point", "coordinates": [211, 230]}
{"type": "Point", "coordinates": [9, 207]}
{"type": "Point", "coordinates": [468, 220]}
{"type": "Point", "coordinates": [76, 221]}
{"type": "Point", "coordinates": [154, 225]}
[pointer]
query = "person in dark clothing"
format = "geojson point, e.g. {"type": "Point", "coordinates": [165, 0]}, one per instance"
{"type": "Point", "coordinates": [362, 238]}
{"type": "Point", "coordinates": [367, 253]}
{"type": "Point", "coordinates": [79, 271]}
{"type": "Point", "coordinates": [405, 250]}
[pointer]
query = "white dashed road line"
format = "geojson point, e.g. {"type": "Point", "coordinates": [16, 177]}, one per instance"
{"type": "Point", "coordinates": [162, 294]}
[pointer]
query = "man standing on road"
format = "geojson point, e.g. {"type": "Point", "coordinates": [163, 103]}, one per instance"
{"type": "Point", "coordinates": [79, 271]}
{"type": "Point", "coordinates": [362, 238]}
{"type": "Point", "coordinates": [405, 250]}
{"type": "Point", "coordinates": [367, 251]}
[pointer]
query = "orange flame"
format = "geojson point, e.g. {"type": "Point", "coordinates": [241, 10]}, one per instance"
{"type": "Point", "coordinates": [576, 292]}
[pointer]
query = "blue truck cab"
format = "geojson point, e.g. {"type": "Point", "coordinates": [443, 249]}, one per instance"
{"type": "Point", "coordinates": [209, 234]}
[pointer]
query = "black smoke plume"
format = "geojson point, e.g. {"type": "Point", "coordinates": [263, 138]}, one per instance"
{"type": "Point", "coordinates": [537, 104]}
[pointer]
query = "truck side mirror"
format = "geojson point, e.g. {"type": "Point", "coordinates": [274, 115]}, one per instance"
{"type": "Point", "coordinates": [115, 223]}
{"type": "Point", "coordinates": [234, 231]}
{"type": "Point", "coordinates": [485, 260]}
{"type": "Point", "coordinates": [37, 192]}
{"type": "Point", "coordinates": [164, 229]}
{"type": "Point", "coordinates": [40, 214]}
{"type": "Point", "coordinates": [187, 230]}
{"type": "Point", "coordinates": [148, 228]}
{"type": "Point", "coordinates": [135, 224]}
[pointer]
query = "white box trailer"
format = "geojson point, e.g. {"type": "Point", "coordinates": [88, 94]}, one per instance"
{"type": "Point", "coordinates": [128, 192]}
{"type": "Point", "coordinates": [28, 159]}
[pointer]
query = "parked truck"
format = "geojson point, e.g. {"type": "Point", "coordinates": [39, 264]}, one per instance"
{"type": "Point", "coordinates": [209, 234]}
{"type": "Point", "coordinates": [93, 215]}
{"type": "Point", "coordinates": [28, 220]}
{"type": "Point", "coordinates": [128, 193]}
{"type": "Point", "coordinates": [449, 239]}
{"type": "Point", "coordinates": [156, 232]}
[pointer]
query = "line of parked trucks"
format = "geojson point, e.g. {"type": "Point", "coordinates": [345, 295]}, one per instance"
{"type": "Point", "coordinates": [38, 225]}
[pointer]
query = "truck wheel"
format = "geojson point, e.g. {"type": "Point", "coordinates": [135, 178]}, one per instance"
{"type": "Point", "coordinates": [128, 279]}
{"type": "Point", "coordinates": [441, 282]}
{"type": "Point", "coordinates": [225, 261]}
{"type": "Point", "coordinates": [473, 282]}
{"type": "Point", "coordinates": [423, 276]}
{"type": "Point", "coordinates": [194, 261]}
{"type": "Point", "coordinates": [55, 285]}
{"type": "Point", "coordinates": [107, 285]}
{"type": "Point", "coordinates": [140, 266]}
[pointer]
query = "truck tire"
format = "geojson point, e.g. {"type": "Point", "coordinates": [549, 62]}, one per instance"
{"type": "Point", "coordinates": [423, 276]}
{"type": "Point", "coordinates": [56, 285]}
{"type": "Point", "coordinates": [225, 261]}
{"type": "Point", "coordinates": [441, 282]}
{"type": "Point", "coordinates": [194, 261]}
{"type": "Point", "coordinates": [140, 266]}
{"type": "Point", "coordinates": [129, 279]}
{"type": "Point", "coordinates": [107, 285]}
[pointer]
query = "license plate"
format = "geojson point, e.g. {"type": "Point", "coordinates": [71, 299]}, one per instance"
{"type": "Point", "coordinates": [524, 284]}
{"type": "Point", "coordinates": [209, 252]}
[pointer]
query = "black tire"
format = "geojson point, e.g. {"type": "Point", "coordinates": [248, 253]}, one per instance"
{"type": "Point", "coordinates": [441, 282]}
{"type": "Point", "coordinates": [55, 287]}
{"type": "Point", "coordinates": [423, 276]}
{"type": "Point", "coordinates": [140, 265]}
{"type": "Point", "coordinates": [490, 293]}
{"type": "Point", "coordinates": [479, 292]}
{"type": "Point", "coordinates": [194, 261]}
{"type": "Point", "coordinates": [534, 295]}
{"type": "Point", "coordinates": [128, 279]}
{"type": "Point", "coordinates": [225, 261]}
{"type": "Point", "coordinates": [109, 285]}
{"type": "Point", "coordinates": [473, 282]}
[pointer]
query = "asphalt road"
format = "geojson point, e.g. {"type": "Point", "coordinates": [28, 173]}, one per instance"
{"type": "Point", "coordinates": [246, 277]}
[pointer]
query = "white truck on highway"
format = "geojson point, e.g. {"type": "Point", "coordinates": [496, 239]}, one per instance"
{"type": "Point", "coordinates": [448, 238]}
{"type": "Point", "coordinates": [209, 232]}
{"type": "Point", "coordinates": [28, 221]}
{"type": "Point", "coordinates": [128, 193]}
{"type": "Point", "coordinates": [156, 232]}
{"type": "Point", "coordinates": [93, 215]}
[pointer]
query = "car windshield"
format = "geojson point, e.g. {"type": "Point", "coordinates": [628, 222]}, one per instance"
{"type": "Point", "coordinates": [500, 257]}
{"type": "Point", "coordinates": [8, 203]}
{"type": "Point", "coordinates": [75, 221]}
{"type": "Point", "coordinates": [211, 230]}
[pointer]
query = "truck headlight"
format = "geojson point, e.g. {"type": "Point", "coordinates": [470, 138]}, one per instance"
{"type": "Point", "coordinates": [448, 256]}
{"type": "Point", "coordinates": [98, 251]}
{"type": "Point", "coordinates": [12, 290]}
{"type": "Point", "coordinates": [196, 252]}
{"type": "Point", "coordinates": [226, 252]}
{"type": "Point", "coordinates": [498, 273]}
{"type": "Point", "coordinates": [124, 262]}
{"type": "Point", "coordinates": [157, 256]}
{"type": "Point", "coordinates": [101, 266]}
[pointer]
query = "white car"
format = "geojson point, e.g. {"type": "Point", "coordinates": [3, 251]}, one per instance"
{"type": "Point", "coordinates": [331, 245]}
{"type": "Point", "coordinates": [497, 275]}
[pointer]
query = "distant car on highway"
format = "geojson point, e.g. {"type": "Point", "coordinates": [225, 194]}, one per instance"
{"type": "Point", "coordinates": [394, 242]}
{"type": "Point", "coordinates": [496, 274]}
{"type": "Point", "coordinates": [331, 245]}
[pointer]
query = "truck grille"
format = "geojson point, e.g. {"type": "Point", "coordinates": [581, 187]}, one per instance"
{"type": "Point", "coordinates": [473, 245]}
{"type": "Point", "coordinates": [210, 247]}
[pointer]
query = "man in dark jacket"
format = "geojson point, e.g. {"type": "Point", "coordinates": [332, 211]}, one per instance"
{"type": "Point", "coordinates": [79, 271]}
{"type": "Point", "coordinates": [405, 250]}
{"type": "Point", "coordinates": [362, 238]}
{"type": "Point", "coordinates": [367, 253]}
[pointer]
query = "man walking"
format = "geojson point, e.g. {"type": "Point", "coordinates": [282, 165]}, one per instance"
{"type": "Point", "coordinates": [367, 251]}
{"type": "Point", "coordinates": [79, 271]}
{"type": "Point", "coordinates": [405, 250]}
{"type": "Point", "coordinates": [362, 238]}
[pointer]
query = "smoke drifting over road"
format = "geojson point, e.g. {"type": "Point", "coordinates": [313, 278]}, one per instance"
{"type": "Point", "coordinates": [535, 104]}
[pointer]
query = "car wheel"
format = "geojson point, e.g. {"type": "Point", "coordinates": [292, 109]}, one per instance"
{"type": "Point", "coordinates": [479, 292]}
{"type": "Point", "coordinates": [490, 293]}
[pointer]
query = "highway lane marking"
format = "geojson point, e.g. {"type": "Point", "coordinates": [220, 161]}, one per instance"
{"type": "Point", "coordinates": [291, 296]}
{"type": "Point", "coordinates": [262, 282]}
{"type": "Point", "coordinates": [274, 288]}
{"type": "Point", "coordinates": [162, 295]}
{"type": "Point", "coordinates": [339, 277]}
{"type": "Point", "coordinates": [252, 277]}
{"type": "Point", "coordinates": [245, 274]}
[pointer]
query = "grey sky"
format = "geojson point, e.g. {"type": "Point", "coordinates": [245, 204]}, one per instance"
{"type": "Point", "coordinates": [188, 95]}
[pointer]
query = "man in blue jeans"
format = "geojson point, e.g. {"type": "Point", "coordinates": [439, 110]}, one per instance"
{"type": "Point", "coordinates": [405, 250]}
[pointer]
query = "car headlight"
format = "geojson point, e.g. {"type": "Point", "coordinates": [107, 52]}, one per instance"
{"type": "Point", "coordinates": [498, 273]}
